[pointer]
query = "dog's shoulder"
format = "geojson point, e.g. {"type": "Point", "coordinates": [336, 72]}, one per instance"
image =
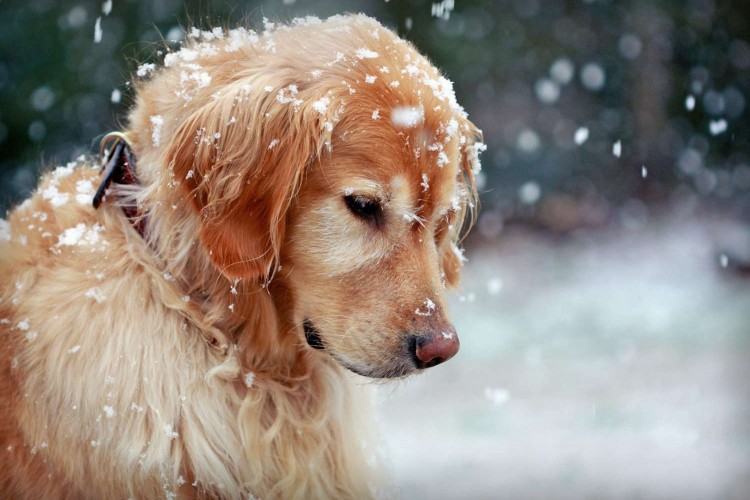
{"type": "Point", "coordinates": [110, 375]}
{"type": "Point", "coordinates": [36, 229]}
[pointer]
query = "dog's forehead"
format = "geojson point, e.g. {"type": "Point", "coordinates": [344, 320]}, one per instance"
{"type": "Point", "coordinates": [420, 146]}
{"type": "Point", "coordinates": [389, 162]}
{"type": "Point", "coordinates": [396, 120]}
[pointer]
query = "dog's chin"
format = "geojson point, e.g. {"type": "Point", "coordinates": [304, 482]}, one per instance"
{"type": "Point", "coordinates": [398, 369]}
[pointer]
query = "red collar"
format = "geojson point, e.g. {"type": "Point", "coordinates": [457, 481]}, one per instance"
{"type": "Point", "coordinates": [118, 166]}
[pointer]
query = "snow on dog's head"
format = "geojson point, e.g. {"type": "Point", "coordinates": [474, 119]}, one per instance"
{"type": "Point", "coordinates": [332, 156]}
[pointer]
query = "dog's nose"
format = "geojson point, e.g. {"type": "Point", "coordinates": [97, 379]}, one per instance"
{"type": "Point", "coordinates": [430, 350]}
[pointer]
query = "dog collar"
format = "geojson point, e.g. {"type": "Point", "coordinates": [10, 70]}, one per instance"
{"type": "Point", "coordinates": [118, 166]}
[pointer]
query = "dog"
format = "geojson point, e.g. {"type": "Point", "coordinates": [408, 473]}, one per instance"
{"type": "Point", "coordinates": [283, 208]}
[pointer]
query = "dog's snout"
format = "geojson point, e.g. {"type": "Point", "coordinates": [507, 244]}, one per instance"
{"type": "Point", "coordinates": [432, 349]}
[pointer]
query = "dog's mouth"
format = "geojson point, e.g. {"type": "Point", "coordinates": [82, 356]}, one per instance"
{"type": "Point", "coordinates": [400, 371]}
{"type": "Point", "coordinates": [314, 340]}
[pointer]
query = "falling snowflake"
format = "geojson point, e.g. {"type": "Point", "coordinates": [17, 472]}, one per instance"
{"type": "Point", "coordinates": [717, 127]}
{"type": "Point", "coordinates": [617, 149]}
{"type": "Point", "coordinates": [581, 135]}
{"type": "Point", "coordinates": [98, 30]}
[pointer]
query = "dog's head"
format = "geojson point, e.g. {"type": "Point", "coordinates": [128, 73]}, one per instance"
{"type": "Point", "coordinates": [339, 163]}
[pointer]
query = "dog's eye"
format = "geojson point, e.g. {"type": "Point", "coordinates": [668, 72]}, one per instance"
{"type": "Point", "coordinates": [441, 230]}
{"type": "Point", "coordinates": [364, 208]}
{"type": "Point", "coordinates": [444, 225]}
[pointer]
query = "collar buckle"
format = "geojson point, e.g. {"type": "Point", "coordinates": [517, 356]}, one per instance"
{"type": "Point", "coordinates": [117, 164]}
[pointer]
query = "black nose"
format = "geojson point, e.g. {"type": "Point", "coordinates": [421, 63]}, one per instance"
{"type": "Point", "coordinates": [432, 349]}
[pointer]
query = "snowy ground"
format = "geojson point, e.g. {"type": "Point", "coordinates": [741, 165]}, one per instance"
{"type": "Point", "coordinates": [613, 365]}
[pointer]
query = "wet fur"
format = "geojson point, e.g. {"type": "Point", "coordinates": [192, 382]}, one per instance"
{"type": "Point", "coordinates": [138, 388]}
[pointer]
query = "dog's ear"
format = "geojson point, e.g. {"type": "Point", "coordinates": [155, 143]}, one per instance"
{"type": "Point", "coordinates": [451, 257]}
{"type": "Point", "coordinates": [240, 159]}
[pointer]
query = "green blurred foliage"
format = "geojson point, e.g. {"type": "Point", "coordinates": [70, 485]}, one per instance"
{"type": "Point", "coordinates": [56, 86]}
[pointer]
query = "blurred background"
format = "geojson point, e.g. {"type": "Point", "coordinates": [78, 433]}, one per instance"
{"type": "Point", "coordinates": [605, 311]}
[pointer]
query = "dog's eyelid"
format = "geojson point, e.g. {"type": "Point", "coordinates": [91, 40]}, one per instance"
{"type": "Point", "coordinates": [443, 213]}
{"type": "Point", "coordinates": [365, 207]}
{"type": "Point", "coordinates": [365, 190]}
{"type": "Point", "coordinates": [364, 198]}
{"type": "Point", "coordinates": [444, 217]}
{"type": "Point", "coordinates": [442, 227]}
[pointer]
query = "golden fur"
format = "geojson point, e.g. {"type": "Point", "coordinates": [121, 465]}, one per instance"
{"type": "Point", "coordinates": [177, 365]}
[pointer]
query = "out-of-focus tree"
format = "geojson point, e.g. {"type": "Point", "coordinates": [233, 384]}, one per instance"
{"type": "Point", "coordinates": [553, 84]}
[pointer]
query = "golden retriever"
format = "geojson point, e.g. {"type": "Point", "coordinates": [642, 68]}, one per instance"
{"type": "Point", "coordinates": [299, 196]}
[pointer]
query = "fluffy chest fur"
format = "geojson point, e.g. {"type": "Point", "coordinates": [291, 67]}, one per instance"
{"type": "Point", "coordinates": [110, 388]}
